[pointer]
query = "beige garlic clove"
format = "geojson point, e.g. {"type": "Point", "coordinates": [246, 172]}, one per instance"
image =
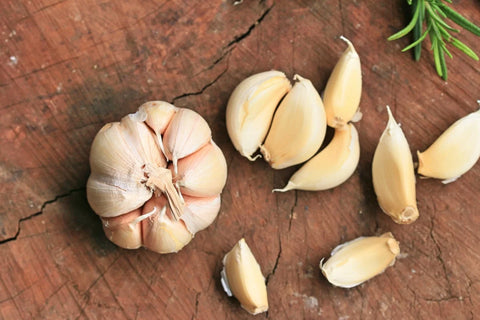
{"type": "Point", "coordinates": [203, 173]}
{"type": "Point", "coordinates": [453, 153]}
{"type": "Point", "coordinates": [344, 88]}
{"type": "Point", "coordinates": [359, 260]}
{"type": "Point", "coordinates": [124, 230]}
{"type": "Point", "coordinates": [117, 158]}
{"type": "Point", "coordinates": [186, 133]}
{"type": "Point", "coordinates": [332, 166]}
{"type": "Point", "coordinates": [393, 174]}
{"type": "Point", "coordinates": [250, 109]}
{"type": "Point", "coordinates": [298, 127]}
{"type": "Point", "coordinates": [241, 277]}
{"type": "Point", "coordinates": [161, 233]}
{"type": "Point", "coordinates": [158, 116]}
{"type": "Point", "coordinates": [200, 212]}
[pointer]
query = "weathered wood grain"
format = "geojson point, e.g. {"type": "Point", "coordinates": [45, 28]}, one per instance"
{"type": "Point", "coordinates": [67, 67]}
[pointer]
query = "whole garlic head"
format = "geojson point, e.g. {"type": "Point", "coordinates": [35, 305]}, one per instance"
{"type": "Point", "coordinates": [135, 191]}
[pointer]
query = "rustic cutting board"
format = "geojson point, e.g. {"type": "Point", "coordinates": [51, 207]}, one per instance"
{"type": "Point", "coordinates": [67, 67]}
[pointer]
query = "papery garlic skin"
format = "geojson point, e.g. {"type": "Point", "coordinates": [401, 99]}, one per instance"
{"type": "Point", "coordinates": [393, 174]}
{"type": "Point", "coordinates": [133, 191]}
{"type": "Point", "coordinates": [298, 127]}
{"type": "Point", "coordinates": [250, 109]}
{"type": "Point", "coordinates": [344, 88]}
{"type": "Point", "coordinates": [241, 277]}
{"type": "Point", "coordinates": [359, 260]}
{"type": "Point", "coordinates": [332, 166]}
{"type": "Point", "coordinates": [454, 152]}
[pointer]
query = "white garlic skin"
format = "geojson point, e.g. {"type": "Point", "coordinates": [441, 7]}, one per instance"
{"type": "Point", "coordinates": [133, 191]}
{"type": "Point", "coordinates": [454, 152]}
{"type": "Point", "coordinates": [250, 109]}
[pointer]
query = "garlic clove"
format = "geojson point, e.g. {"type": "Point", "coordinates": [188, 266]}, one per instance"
{"type": "Point", "coordinates": [124, 230]}
{"type": "Point", "coordinates": [242, 277]}
{"type": "Point", "coordinates": [331, 167]}
{"type": "Point", "coordinates": [250, 109]}
{"type": "Point", "coordinates": [186, 133]}
{"type": "Point", "coordinates": [344, 88]}
{"type": "Point", "coordinates": [200, 212]}
{"type": "Point", "coordinates": [393, 174]}
{"type": "Point", "coordinates": [158, 116]}
{"type": "Point", "coordinates": [454, 152]}
{"type": "Point", "coordinates": [203, 173]}
{"type": "Point", "coordinates": [161, 233]}
{"type": "Point", "coordinates": [359, 260]}
{"type": "Point", "coordinates": [115, 185]}
{"type": "Point", "coordinates": [298, 127]}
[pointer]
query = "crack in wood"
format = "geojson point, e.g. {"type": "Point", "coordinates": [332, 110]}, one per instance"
{"type": "Point", "coordinates": [242, 36]}
{"type": "Point", "coordinates": [42, 208]}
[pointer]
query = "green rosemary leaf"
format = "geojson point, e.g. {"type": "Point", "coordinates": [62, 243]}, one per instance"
{"type": "Point", "coordinates": [408, 28]}
{"type": "Point", "coordinates": [440, 22]}
{"type": "Point", "coordinates": [460, 20]}
{"type": "Point", "coordinates": [417, 31]}
{"type": "Point", "coordinates": [436, 55]}
{"type": "Point", "coordinates": [443, 65]}
{"type": "Point", "coordinates": [464, 48]}
{"type": "Point", "coordinates": [418, 41]}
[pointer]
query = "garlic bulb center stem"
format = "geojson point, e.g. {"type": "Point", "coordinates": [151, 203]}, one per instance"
{"type": "Point", "coordinates": [160, 179]}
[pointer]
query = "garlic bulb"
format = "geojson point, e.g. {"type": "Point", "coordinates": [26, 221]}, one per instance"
{"type": "Point", "coordinates": [393, 174]}
{"type": "Point", "coordinates": [359, 260]}
{"type": "Point", "coordinates": [453, 153]}
{"type": "Point", "coordinates": [332, 166]}
{"type": "Point", "coordinates": [137, 195]}
{"type": "Point", "coordinates": [250, 109]}
{"type": "Point", "coordinates": [298, 127]}
{"type": "Point", "coordinates": [344, 88]}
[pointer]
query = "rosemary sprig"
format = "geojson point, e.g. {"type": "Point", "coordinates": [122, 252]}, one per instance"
{"type": "Point", "coordinates": [433, 13]}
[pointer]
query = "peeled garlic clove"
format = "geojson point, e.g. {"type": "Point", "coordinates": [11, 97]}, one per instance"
{"type": "Point", "coordinates": [161, 233]}
{"type": "Point", "coordinates": [200, 212]}
{"type": "Point", "coordinates": [332, 166]}
{"type": "Point", "coordinates": [359, 260]}
{"type": "Point", "coordinates": [455, 152]}
{"type": "Point", "coordinates": [344, 88]}
{"type": "Point", "coordinates": [393, 174]}
{"type": "Point", "coordinates": [158, 116]}
{"type": "Point", "coordinates": [250, 109]}
{"type": "Point", "coordinates": [124, 230]}
{"type": "Point", "coordinates": [203, 173]}
{"type": "Point", "coordinates": [298, 127]}
{"type": "Point", "coordinates": [186, 133]}
{"type": "Point", "coordinates": [242, 277]}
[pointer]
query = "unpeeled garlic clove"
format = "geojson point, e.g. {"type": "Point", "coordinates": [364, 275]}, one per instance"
{"type": "Point", "coordinates": [200, 212]}
{"type": "Point", "coordinates": [161, 233]}
{"type": "Point", "coordinates": [453, 153]}
{"type": "Point", "coordinates": [359, 260]}
{"type": "Point", "coordinates": [117, 158]}
{"type": "Point", "coordinates": [203, 173]}
{"type": "Point", "coordinates": [241, 277]}
{"type": "Point", "coordinates": [250, 109]}
{"type": "Point", "coordinates": [331, 167]}
{"type": "Point", "coordinates": [344, 88]}
{"type": "Point", "coordinates": [186, 133]}
{"type": "Point", "coordinates": [393, 174]}
{"type": "Point", "coordinates": [298, 127]}
{"type": "Point", "coordinates": [158, 116]}
{"type": "Point", "coordinates": [124, 230]}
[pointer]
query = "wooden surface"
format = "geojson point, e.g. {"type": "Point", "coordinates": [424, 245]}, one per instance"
{"type": "Point", "coordinates": [67, 67]}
